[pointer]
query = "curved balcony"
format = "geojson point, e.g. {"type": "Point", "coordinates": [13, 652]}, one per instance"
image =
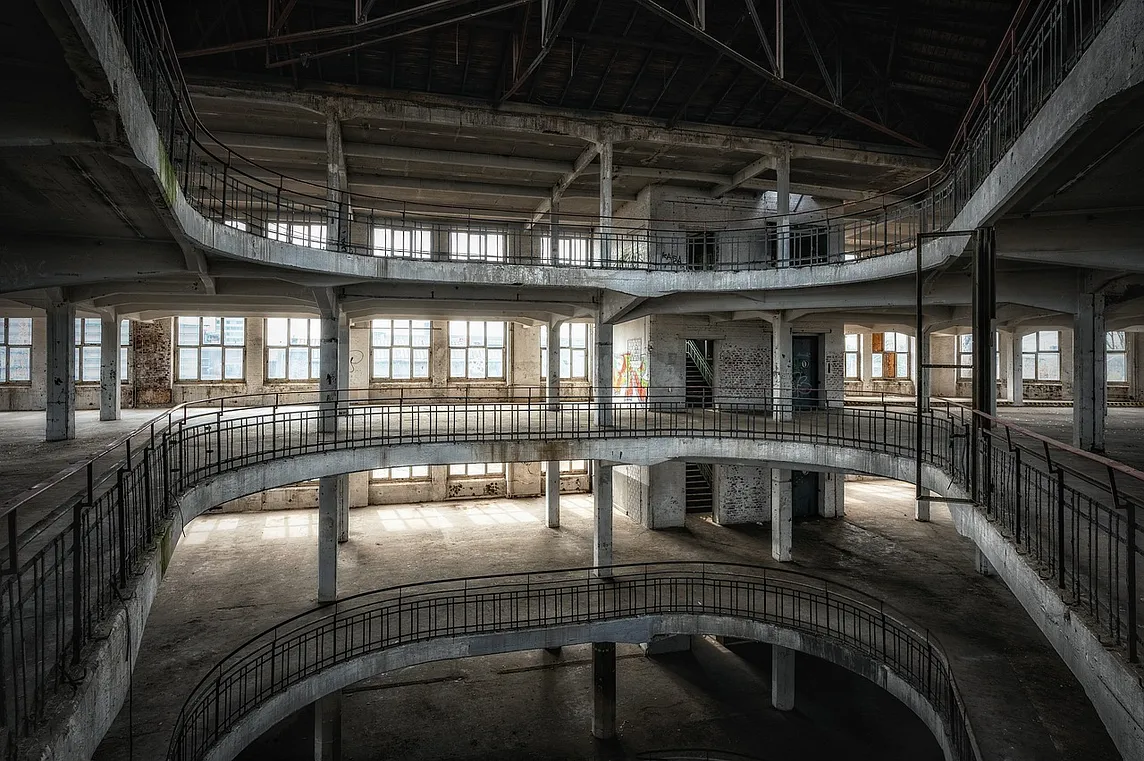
{"type": "Point", "coordinates": [287, 667]}
{"type": "Point", "coordinates": [232, 206]}
{"type": "Point", "coordinates": [1071, 515]}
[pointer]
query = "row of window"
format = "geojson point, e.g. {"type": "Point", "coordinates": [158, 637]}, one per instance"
{"type": "Point", "coordinates": [16, 349]}
{"type": "Point", "coordinates": [1040, 356]}
{"type": "Point", "coordinates": [465, 470]}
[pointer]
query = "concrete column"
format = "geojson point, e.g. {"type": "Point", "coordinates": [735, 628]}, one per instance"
{"type": "Point", "coordinates": [439, 244]}
{"type": "Point", "coordinates": [554, 231]}
{"type": "Point", "coordinates": [109, 397]}
{"type": "Point", "coordinates": [552, 494]}
{"type": "Point", "coordinates": [1016, 380]}
{"type": "Point", "coordinates": [1090, 393]}
{"type": "Point", "coordinates": [782, 191]}
{"type": "Point", "coordinates": [343, 496]}
{"type": "Point", "coordinates": [334, 344]}
{"type": "Point", "coordinates": [60, 417]}
{"type": "Point", "coordinates": [782, 373]}
{"type": "Point", "coordinates": [602, 531]}
{"type": "Point", "coordinates": [833, 495]}
{"type": "Point", "coordinates": [606, 207]}
{"type": "Point", "coordinates": [328, 727]}
{"type": "Point", "coordinates": [552, 379]}
{"type": "Point", "coordinates": [603, 374]}
{"type": "Point", "coordinates": [782, 678]}
{"type": "Point", "coordinates": [328, 529]}
{"type": "Point", "coordinates": [603, 690]}
{"type": "Point", "coordinates": [922, 507]}
{"type": "Point", "coordinates": [782, 515]}
{"type": "Point", "coordinates": [337, 181]}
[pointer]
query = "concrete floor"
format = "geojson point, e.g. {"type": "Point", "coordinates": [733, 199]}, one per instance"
{"type": "Point", "coordinates": [236, 574]}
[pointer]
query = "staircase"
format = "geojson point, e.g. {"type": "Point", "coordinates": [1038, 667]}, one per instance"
{"type": "Point", "coordinates": [700, 498]}
{"type": "Point", "coordinates": [699, 374]}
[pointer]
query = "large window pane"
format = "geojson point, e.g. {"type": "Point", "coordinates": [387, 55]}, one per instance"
{"type": "Point", "coordinates": [201, 354]}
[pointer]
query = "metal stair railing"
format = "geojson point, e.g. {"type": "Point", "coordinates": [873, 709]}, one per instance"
{"type": "Point", "coordinates": [701, 363]}
{"type": "Point", "coordinates": [308, 644]}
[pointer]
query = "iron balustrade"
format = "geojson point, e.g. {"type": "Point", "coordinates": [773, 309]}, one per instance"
{"type": "Point", "coordinates": [313, 642]}
{"type": "Point", "coordinates": [229, 189]}
{"type": "Point", "coordinates": [52, 606]}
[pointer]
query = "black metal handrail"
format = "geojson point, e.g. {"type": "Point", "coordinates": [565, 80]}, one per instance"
{"type": "Point", "coordinates": [225, 187]}
{"type": "Point", "coordinates": [1075, 528]}
{"type": "Point", "coordinates": [320, 639]}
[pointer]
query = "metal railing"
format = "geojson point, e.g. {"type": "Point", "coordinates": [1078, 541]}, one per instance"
{"type": "Point", "coordinates": [227, 188]}
{"type": "Point", "coordinates": [306, 645]}
{"type": "Point", "coordinates": [1073, 515]}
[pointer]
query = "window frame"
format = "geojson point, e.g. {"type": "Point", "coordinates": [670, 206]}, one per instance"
{"type": "Point", "coordinates": [1036, 355]}
{"type": "Point", "coordinates": [878, 358]}
{"type": "Point", "coordinates": [469, 347]}
{"type": "Point", "coordinates": [1111, 352]}
{"type": "Point", "coordinates": [299, 233]}
{"type": "Point", "coordinates": [178, 346]}
{"type": "Point", "coordinates": [965, 369]}
{"type": "Point", "coordinates": [566, 345]}
{"type": "Point", "coordinates": [416, 473]}
{"type": "Point", "coordinates": [6, 351]}
{"type": "Point", "coordinates": [567, 467]}
{"type": "Point", "coordinates": [314, 370]}
{"type": "Point", "coordinates": [487, 470]}
{"type": "Point", "coordinates": [414, 327]}
{"type": "Point", "coordinates": [82, 347]}
{"type": "Point", "coordinates": [416, 236]}
{"type": "Point", "coordinates": [856, 352]}
{"type": "Point", "coordinates": [483, 236]}
{"type": "Point", "coordinates": [571, 250]}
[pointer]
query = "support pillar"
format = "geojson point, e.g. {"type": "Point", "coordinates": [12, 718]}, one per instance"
{"type": "Point", "coordinates": [606, 206]}
{"type": "Point", "coordinates": [922, 506]}
{"type": "Point", "coordinates": [552, 494]}
{"type": "Point", "coordinates": [782, 373]}
{"type": "Point", "coordinates": [333, 360]}
{"type": "Point", "coordinates": [1016, 382]}
{"type": "Point", "coordinates": [343, 508]}
{"type": "Point", "coordinates": [554, 231]}
{"type": "Point", "coordinates": [110, 403]}
{"type": "Point", "coordinates": [603, 690]}
{"type": "Point", "coordinates": [337, 182]}
{"type": "Point", "coordinates": [782, 191]}
{"type": "Point", "coordinates": [602, 531]}
{"type": "Point", "coordinates": [60, 417]}
{"type": "Point", "coordinates": [328, 529]}
{"type": "Point", "coordinates": [603, 372]}
{"type": "Point", "coordinates": [782, 678]}
{"type": "Point", "coordinates": [328, 728]}
{"type": "Point", "coordinates": [782, 515]}
{"type": "Point", "coordinates": [552, 378]}
{"type": "Point", "coordinates": [1090, 392]}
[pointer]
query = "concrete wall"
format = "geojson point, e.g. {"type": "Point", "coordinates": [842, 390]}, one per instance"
{"type": "Point", "coordinates": [742, 494]}
{"type": "Point", "coordinates": [652, 496]}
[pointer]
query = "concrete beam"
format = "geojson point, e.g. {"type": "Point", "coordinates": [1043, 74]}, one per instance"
{"type": "Point", "coordinates": [752, 170]}
{"type": "Point", "coordinates": [46, 262]}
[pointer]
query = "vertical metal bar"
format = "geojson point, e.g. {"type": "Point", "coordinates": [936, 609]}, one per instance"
{"type": "Point", "coordinates": [1061, 527]}
{"type": "Point", "coordinates": [121, 506]}
{"type": "Point", "coordinates": [1133, 598]}
{"type": "Point", "coordinates": [919, 441]}
{"type": "Point", "coordinates": [77, 579]}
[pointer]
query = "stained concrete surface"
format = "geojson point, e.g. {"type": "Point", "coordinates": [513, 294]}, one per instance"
{"type": "Point", "coordinates": [235, 575]}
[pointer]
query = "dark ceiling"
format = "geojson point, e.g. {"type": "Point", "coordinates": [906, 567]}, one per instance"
{"type": "Point", "coordinates": [909, 66]}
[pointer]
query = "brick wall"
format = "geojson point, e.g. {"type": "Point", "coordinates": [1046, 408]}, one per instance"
{"type": "Point", "coordinates": [742, 494]}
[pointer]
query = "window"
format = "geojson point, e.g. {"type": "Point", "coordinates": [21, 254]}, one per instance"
{"type": "Point", "coordinates": [240, 226]}
{"type": "Point", "coordinates": [300, 235]}
{"type": "Point", "coordinates": [476, 247]}
{"type": "Point", "coordinates": [890, 356]}
{"type": "Point", "coordinates": [567, 466]}
{"type": "Point", "coordinates": [404, 244]}
{"type": "Point", "coordinates": [1116, 356]}
{"type": "Point", "coordinates": [210, 348]}
{"type": "Point", "coordinates": [573, 350]}
{"type": "Point", "coordinates": [965, 356]}
{"type": "Point", "coordinates": [124, 348]}
{"type": "Point", "coordinates": [400, 473]}
{"type": "Point", "coordinates": [1041, 356]}
{"type": "Point", "coordinates": [472, 469]}
{"type": "Point", "coordinates": [702, 250]}
{"type": "Point", "coordinates": [15, 349]}
{"type": "Point", "coordinates": [571, 251]}
{"type": "Point", "coordinates": [853, 356]}
{"type": "Point", "coordinates": [292, 348]}
{"type": "Point", "coordinates": [476, 349]}
{"type": "Point", "coordinates": [88, 332]}
{"type": "Point", "coordinates": [400, 349]}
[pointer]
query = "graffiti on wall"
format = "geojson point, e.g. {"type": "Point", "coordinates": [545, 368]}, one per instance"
{"type": "Point", "coordinates": [629, 379]}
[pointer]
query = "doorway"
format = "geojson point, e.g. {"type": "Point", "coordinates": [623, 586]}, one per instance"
{"type": "Point", "coordinates": [806, 373]}
{"type": "Point", "coordinates": [804, 493]}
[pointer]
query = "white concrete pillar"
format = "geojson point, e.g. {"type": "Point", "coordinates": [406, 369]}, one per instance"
{"type": "Point", "coordinates": [552, 378]}
{"type": "Point", "coordinates": [782, 678]}
{"type": "Point", "coordinates": [782, 515]}
{"type": "Point", "coordinates": [552, 494]}
{"type": "Point", "coordinates": [110, 403]}
{"type": "Point", "coordinates": [782, 191]}
{"type": "Point", "coordinates": [833, 495]}
{"type": "Point", "coordinates": [603, 372]}
{"type": "Point", "coordinates": [782, 373]}
{"type": "Point", "coordinates": [337, 182]}
{"type": "Point", "coordinates": [1016, 380]}
{"type": "Point", "coordinates": [602, 530]}
{"type": "Point", "coordinates": [603, 690]}
{"type": "Point", "coordinates": [60, 417]}
{"type": "Point", "coordinates": [606, 206]}
{"type": "Point", "coordinates": [1090, 393]}
{"type": "Point", "coordinates": [333, 344]}
{"type": "Point", "coordinates": [922, 507]}
{"type": "Point", "coordinates": [343, 492]}
{"type": "Point", "coordinates": [328, 727]}
{"type": "Point", "coordinates": [328, 529]}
